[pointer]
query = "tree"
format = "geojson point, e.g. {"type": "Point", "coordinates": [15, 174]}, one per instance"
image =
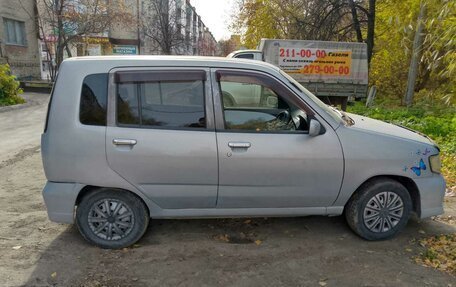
{"type": "Point", "coordinates": [395, 31]}
{"type": "Point", "coordinates": [326, 20]}
{"type": "Point", "coordinates": [227, 46]}
{"type": "Point", "coordinates": [62, 22]}
{"type": "Point", "coordinates": [162, 23]}
{"type": "Point", "coordinates": [417, 45]}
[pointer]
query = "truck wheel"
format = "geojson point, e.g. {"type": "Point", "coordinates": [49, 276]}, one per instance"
{"type": "Point", "coordinates": [379, 209]}
{"type": "Point", "coordinates": [111, 218]}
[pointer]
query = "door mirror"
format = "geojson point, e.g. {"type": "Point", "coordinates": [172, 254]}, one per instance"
{"type": "Point", "coordinates": [314, 128]}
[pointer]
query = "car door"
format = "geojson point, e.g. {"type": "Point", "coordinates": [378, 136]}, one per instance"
{"type": "Point", "coordinates": [160, 135]}
{"type": "Point", "coordinates": [267, 159]}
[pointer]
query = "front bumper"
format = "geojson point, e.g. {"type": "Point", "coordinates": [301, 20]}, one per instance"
{"type": "Point", "coordinates": [432, 192]}
{"type": "Point", "coordinates": [60, 200]}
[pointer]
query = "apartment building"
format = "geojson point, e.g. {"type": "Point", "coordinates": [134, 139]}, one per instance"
{"type": "Point", "coordinates": [187, 33]}
{"type": "Point", "coordinates": [19, 38]}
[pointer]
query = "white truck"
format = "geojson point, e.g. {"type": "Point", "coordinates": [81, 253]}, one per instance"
{"type": "Point", "coordinates": [333, 71]}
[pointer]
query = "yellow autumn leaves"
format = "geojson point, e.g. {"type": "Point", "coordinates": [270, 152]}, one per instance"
{"type": "Point", "coordinates": [440, 253]}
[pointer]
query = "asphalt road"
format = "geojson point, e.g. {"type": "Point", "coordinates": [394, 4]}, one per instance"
{"type": "Point", "coordinates": [21, 126]}
{"type": "Point", "coordinates": [308, 251]}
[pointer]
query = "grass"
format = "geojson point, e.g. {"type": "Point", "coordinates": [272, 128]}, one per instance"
{"type": "Point", "coordinates": [436, 121]}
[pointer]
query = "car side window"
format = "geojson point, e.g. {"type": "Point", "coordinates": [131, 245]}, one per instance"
{"type": "Point", "coordinates": [250, 105]}
{"type": "Point", "coordinates": [94, 93]}
{"type": "Point", "coordinates": [127, 104]}
{"type": "Point", "coordinates": [162, 103]}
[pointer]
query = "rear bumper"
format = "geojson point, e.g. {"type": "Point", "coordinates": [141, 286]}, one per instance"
{"type": "Point", "coordinates": [432, 192]}
{"type": "Point", "coordinates": [60, 199]}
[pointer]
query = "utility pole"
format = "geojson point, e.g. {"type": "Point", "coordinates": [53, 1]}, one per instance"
{"type": "Point", "coordinates": [413, 69]}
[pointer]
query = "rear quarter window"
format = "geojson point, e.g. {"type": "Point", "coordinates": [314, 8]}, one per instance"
{"type": "Point", "coordinates": [93, 105]}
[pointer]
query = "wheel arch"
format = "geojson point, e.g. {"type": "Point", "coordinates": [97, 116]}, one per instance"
{"type": "Point", "coordinates": [407, 182]}
{"type": "Point", "coordinates": [90, 188]}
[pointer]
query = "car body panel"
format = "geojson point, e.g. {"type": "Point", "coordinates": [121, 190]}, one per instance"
{"type": "Point", "coordinates": [75, 156]}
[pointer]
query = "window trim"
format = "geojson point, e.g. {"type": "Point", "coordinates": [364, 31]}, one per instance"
{"type": "Point", "coordinates": [261, 78]}
{"type": "Point", "coordinates": [159, 76]}
{"type": "Point", "coordinates": [140, 76]}
{"type": "Point", "coordinates": [7, 35]}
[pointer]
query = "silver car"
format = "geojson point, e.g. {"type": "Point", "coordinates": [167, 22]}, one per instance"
{"type": "Point", "coordinates": [132, 138]}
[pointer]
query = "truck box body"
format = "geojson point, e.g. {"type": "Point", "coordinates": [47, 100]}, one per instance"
{"type": "Point", "coordinates": [325, 68]}
{"type": "Point", "coordinates": [333, 71]}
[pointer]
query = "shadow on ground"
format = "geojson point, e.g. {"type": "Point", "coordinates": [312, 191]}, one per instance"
{"type": "Point", "coordinates": [243, 252]}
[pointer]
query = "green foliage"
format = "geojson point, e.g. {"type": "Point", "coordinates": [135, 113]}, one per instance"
{"type": "Point", "coordinates": [9, 87]}
{"type": "Point", "coordinates": [395, 29]}
{"type": "Point", "coordinates": [256, 20]}
{"type": "Point", "coordinates": [295, 19]}
{"type": "Point", "coordinates": [436, 121]}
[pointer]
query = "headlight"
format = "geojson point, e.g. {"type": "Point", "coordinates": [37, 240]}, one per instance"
{"type": "Point", "coordinates": [435, 163]}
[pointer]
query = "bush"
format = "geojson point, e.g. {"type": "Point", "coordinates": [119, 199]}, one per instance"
{"type": "Point", "coordinates": [9, 87]}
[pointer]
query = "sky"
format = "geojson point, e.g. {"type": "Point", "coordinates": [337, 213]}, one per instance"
{"type": "Point", "coordinates": [215, 15]}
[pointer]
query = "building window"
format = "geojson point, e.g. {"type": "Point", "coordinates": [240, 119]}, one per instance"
{"type": "Point", "coordinates": [15, 32]}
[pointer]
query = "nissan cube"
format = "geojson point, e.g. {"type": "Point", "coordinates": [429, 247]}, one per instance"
{"type": "Point", "coordinates": [131, 138]}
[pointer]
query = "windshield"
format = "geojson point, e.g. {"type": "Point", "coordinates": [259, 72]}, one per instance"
{"type": "Point", "coordinates": [333, 112]}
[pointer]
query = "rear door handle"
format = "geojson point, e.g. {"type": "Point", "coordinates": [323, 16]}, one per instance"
{"type": "Point", "coordinates": [239, 144]}
{"type": "Point", "coordinates": [124, 142]}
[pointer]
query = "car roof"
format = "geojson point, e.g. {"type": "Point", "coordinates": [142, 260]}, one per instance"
{"type": "Point", "coordinates": [146, 60]}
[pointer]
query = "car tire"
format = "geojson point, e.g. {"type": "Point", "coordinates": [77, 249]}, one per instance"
{"type": "Point", "coordinates": [379, 209]}
{"type": "Point", "coordinates": [112, 218]}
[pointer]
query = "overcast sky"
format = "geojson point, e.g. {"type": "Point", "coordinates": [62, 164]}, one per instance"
{"type": "Point", "coordinates": [215, 15]}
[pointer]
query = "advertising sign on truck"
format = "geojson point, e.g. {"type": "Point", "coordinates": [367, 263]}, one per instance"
{"type": "Point", "coordinates": [318, 61]}
{"type": "Point", "coordinates": [333, 71]}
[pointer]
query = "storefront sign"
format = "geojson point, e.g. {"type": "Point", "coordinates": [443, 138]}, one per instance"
{"type": "Point", "coordinates": [124, 50]}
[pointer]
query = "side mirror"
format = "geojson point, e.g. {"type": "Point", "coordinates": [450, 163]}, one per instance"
{"type": "Point", "coordinates": [314, 128]}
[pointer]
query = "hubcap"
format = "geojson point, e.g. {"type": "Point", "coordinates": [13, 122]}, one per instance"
{"type": "Point", "coordinates": [383, 212]}
{"type": "Point", "coordinates": [111, 219]}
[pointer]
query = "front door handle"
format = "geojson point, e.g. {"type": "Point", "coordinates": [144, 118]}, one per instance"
{"type": "Point", "coordinates": [124, 142]}
{"type": "Point", "coordinates": [239, 144]}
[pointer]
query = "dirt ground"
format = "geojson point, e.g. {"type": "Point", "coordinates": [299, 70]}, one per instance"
{"type": "Point", "coordinates": [308, 251]}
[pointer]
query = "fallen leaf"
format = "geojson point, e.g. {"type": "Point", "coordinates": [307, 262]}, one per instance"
{"type": "Point", "coordinates": [222, 237]}
{"type": "Point", "coordinates": [17, 247]}
{"type": "Point", "coordinates": [54, 274]}
{"type": "Point", "coordinates": [322, 283]}
{"type": "Point", "coordinates": [258, 242]}
{"type": "Point", "coordinates": [421, 231]}
{"type": "Point", "coordinates": [408, 249]}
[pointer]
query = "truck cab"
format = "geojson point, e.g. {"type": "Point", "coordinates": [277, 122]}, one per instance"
{"type": "Point", "coordinates": [247, 54]}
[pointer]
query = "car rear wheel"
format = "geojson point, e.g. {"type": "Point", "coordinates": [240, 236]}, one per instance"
{"type": "Point", "coordinates": [379, 209]}
{"type": "Point", "coordinates": [112, 218]}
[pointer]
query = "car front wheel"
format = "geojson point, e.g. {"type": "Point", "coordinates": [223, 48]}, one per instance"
{"type": "Point", "coordinates": [379, 209]}
{"type": "Point", "coordinates": [112, 218]}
